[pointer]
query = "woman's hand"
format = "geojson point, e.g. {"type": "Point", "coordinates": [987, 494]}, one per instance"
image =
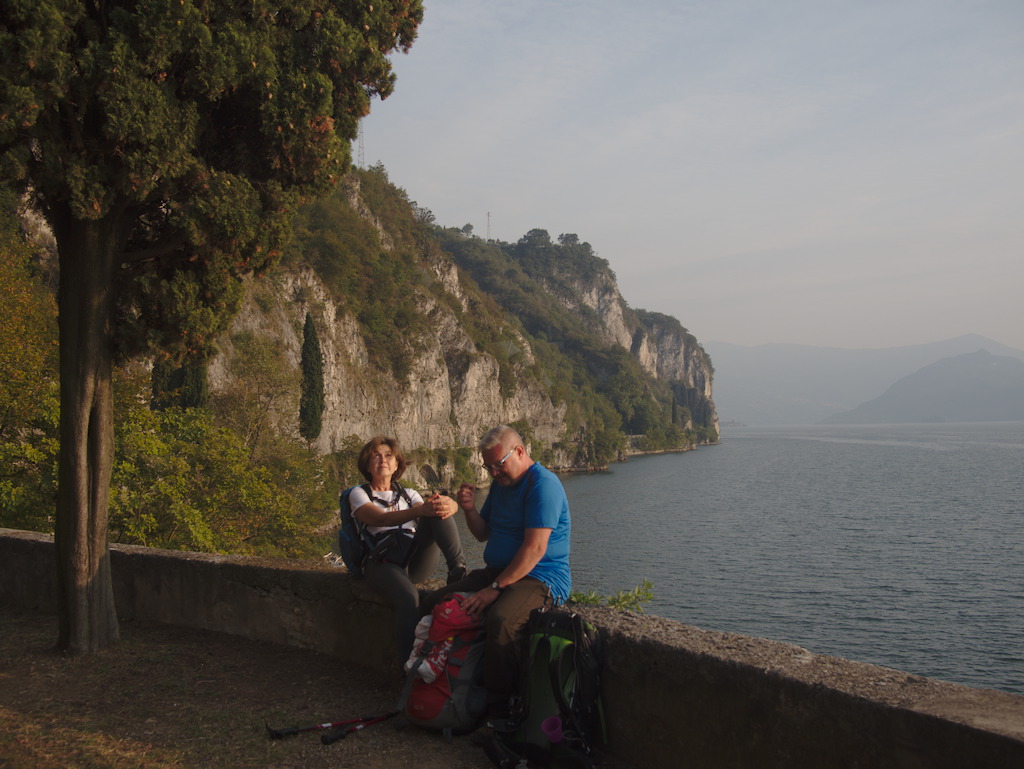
{"type": "Point", "coordinates": [444, 507]}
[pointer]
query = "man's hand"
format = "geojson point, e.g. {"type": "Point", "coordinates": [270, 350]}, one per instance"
{"type": "Point", "coordinates": [467, 501]}
{"type": "Point", "coordinates": [480, 601]}
{"type": "Point", "coordinates": [467, 496]}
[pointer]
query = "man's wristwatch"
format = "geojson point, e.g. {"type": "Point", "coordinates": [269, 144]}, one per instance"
{"type": "Point", "coordinates": [497, 587]}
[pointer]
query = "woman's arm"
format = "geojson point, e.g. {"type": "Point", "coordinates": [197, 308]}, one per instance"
{"type": "Point", "coordinates": [372, 514]}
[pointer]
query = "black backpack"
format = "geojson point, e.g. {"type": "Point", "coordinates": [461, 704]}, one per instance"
{"type": "Point", "coordinates": [557, 719]}
{"type": "Point", "coordinates": [355, 543]}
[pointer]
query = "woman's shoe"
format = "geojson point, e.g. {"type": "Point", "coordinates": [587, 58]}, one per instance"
{"type": "Point", "coordinates": [456, 573]}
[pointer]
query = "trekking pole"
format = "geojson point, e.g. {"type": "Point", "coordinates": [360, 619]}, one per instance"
{"type": "Point", "coordinates": [277, 734]}
{"type": "Point", "coordinates": [342, 733]}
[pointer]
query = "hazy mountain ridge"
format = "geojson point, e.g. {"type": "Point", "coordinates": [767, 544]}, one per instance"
{"type": "Point", "coordinates": [776, 384]}
{"type": "Point", "coordinates": [973, 387]}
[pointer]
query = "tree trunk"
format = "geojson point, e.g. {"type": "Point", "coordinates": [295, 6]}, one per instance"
{"type": "Point", "coordinates": [86, 611]}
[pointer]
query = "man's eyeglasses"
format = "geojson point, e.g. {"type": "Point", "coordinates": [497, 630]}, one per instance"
{"type": "Point", "coordinates": [500, 463]}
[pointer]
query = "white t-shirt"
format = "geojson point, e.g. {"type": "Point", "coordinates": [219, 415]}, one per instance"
{"type": "Point", "coordinates": [389, 500]}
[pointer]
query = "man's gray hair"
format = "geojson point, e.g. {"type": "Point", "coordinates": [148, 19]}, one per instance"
{"type": "Point", "coordinates": [501, 434]}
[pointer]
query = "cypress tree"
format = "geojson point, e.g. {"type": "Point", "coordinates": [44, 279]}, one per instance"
{"type": "Point", "coordinates": [167, 146]}
{"type": "Point", "coordinates": [311, 401]}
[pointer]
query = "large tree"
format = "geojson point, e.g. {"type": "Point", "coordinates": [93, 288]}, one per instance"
{"type": "Point", "coordinates": [166, 142]}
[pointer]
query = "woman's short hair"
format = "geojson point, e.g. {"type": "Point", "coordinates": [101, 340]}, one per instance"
{"type": "Point", "coordinates": [367, 451]}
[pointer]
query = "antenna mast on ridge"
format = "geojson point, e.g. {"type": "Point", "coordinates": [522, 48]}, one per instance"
{"type": "Point", "coordinates": [488, 225]}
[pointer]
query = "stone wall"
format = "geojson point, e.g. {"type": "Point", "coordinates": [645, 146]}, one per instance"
{"type": "Point", "coordinates": [674, 695]}
{"type": "Point", "coordinates": [306, 605]}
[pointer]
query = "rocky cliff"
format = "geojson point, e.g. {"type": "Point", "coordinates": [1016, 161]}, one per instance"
{"type": "Point", "coordinates": [467, 363]}
{"type": "Point", "coordinates": [441, 404]}
{"type": "Point", "coordinates": [659, 343]}
{"type": "Point", "coordinates": [670, 353]}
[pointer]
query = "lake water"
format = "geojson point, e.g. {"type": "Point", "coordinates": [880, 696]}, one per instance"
{"type": "Point", "coordinates": [901, 546]}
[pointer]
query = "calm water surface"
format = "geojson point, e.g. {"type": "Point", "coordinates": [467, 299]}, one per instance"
{"type": "Point", "coordinates": [898, 545]}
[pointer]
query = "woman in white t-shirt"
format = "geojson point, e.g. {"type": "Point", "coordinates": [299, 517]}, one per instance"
{"type": "Point", "coordinates": [408, 534]}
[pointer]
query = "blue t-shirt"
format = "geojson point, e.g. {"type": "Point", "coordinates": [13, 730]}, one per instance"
{"type": "Point", "coordinates": [536, 501]}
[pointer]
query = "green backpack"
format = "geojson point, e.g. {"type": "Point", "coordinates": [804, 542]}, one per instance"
{"type": "Point", "coordinates": [557, 719]}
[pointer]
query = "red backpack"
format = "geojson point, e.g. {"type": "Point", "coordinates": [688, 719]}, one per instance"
{"type": "Point", "coordinates": [444, 688]}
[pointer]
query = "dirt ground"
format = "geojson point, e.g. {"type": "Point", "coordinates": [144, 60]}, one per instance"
{"type": "Point", "coordinates": [173, 697]}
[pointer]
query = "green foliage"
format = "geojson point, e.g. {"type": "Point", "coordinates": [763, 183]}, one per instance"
{"type": "Point", "coordinates": [199, 125]}
{"type": "Point", "coordinates": [185, 386]}
{"type": "Point", "coordinates": [311, 400]}
{"type": "Point", "coordinates": [607, 393]}
{"type": "Point", "coordinates": [707, 434]}
{"type": "Point", "coordinates": [28, 467]}
{"type": "Point", "coordinates": [493, 331]}
{"type": "Point", "coordinates": [376, 284]}
{"type": "Point", "coordinates": [182, 482]}
{"type": "Point", "coordinates": [464, 471]}
{"type": "Point", "coordinates": [668, 323]}
{"type": "Point", "coordinates": [29, 406]}
{"type": "Point", "coordinates": [28, 330]}
{"type": "Point", "coordinates": [624, 600]}
{"type": "Point", "coordinates": [167, 145]}
{"type": "Point", "coordinates": [569, 259]}
{"type": "Point", "coordinates": [343, 462]}
{"type": "Point", "coordinates": [263, 388]}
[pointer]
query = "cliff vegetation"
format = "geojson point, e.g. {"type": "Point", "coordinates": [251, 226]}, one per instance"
{"type": "Point", "coordinates": [375, 320]}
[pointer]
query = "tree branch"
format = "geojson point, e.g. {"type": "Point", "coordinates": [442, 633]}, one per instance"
{"type": "Point", "coordinates": [156, 251]}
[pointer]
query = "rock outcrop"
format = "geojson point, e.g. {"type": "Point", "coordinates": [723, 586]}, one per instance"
{"type": "Point", "coordinates": [452, 390]}
{"type": "Point", "coordinates": [441, 404]}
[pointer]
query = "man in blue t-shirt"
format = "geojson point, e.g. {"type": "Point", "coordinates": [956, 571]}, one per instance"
{"type": "Point", "coordinates": [525, 522]}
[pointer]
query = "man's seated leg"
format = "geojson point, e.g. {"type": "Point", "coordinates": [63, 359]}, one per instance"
{"type": "Point", "coordinates": [504, 624]}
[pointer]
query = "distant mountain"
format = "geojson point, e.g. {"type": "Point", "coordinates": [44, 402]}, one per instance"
{"type": "Point", "coordinates": [777, 384]}
{"type": "Point", "coordinates": [975, 387]}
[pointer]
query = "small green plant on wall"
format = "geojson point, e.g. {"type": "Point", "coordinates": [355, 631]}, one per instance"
{"type": "Point", "coordinates": [626, 600]}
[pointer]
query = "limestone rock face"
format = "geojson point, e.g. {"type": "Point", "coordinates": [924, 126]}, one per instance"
{"type": "Point", "coordinates": [668, 352]}
{"type": "Point", "coordinates": [451, 392]}
{"type": "Point", "coordinates": [662, 346]}
{"type": "Point", "coordinates": [440, 405]}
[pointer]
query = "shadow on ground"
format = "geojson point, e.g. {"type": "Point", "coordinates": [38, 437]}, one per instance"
{"type": "Point", "coordinates": [171, 697]}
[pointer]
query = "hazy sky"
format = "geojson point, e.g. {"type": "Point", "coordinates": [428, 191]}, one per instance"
{"type": "Point", "coordinates": [845, 174]}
